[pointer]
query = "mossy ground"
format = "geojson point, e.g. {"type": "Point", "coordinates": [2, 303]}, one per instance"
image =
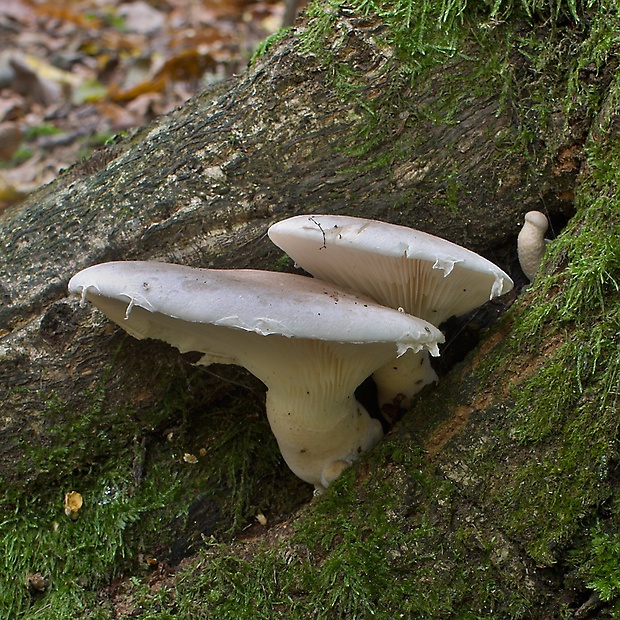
{"type": "Point", "coordinates": [151, 489]}
{"type": "Point", "coordinates": [525, 525]}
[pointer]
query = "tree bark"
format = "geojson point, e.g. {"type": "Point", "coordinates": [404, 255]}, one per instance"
{"type": "Point", "coordinates": [201, 186]}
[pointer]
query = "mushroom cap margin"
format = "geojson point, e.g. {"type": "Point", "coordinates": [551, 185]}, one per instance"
{"type": "Point", "coordinates": [426, 275]}
{"type": "Point", "coordinates": [263, 302]}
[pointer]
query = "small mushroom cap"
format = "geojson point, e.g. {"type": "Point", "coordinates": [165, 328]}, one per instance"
{"type": "Point", "coordinates": [263, 302]}
{"type": "Point", "coordinates": [538, 220]}
{"type": "Point", "coordinates": [425, 275]}
{"type": "Point", "coordinates": [531, 242]}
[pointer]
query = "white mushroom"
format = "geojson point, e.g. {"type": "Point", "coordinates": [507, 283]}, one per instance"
{"type": "Point", "coordinates": [421, 274]}
{"type": "Point", "coordinates": [309, 342]}
{"type": "Point", "coordinates": [531, 242]}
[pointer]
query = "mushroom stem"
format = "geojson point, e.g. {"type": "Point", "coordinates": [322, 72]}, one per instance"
{"type": "Point", "coordinates": [531, 243]}
{"type": "Point", "coordinates": [319, 425]}
{"type": "Point", "coordinates": [318, 454]}
{"type": "Point", "coordinates": [401, 379]}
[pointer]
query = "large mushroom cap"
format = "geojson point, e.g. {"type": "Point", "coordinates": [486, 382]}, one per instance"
{"type": "Point", "coordinates": [263, 302]}
{"type": "Point", "coordinates": [309, 342]}
{"type": "Point", "coordinates": [425, 275]}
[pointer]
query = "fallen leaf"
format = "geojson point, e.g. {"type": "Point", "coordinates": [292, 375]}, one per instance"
{"type": "Point", "coordinates": [36, 89]}
{"type": "Point", "coordinates": [49, 72]}
{"type": "Point", "coordinates": [9, 194]}
{"type": "Point", "coordinates": [36, 583]}
{"type": "Point", "coordinates": [73, 504]}
{"type": "Point", "coordinates": [142, 18]}
{"type": "Point", "coordinates": [10, 138]}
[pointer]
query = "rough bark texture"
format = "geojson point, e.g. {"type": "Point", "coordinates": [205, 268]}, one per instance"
{"type": "Point", "coordinates": [202, 185]}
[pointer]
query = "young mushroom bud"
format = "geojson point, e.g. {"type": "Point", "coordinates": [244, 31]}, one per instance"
{"type": "Point", "coordinates": [420, 274]}
{"type": "Point", "coordinates": [531, 243]}
{"type": "Point", "coordinates": [309, 342]}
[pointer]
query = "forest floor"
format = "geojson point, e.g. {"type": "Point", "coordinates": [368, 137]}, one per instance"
{"type": "Point", "coordinates": [75, 73]}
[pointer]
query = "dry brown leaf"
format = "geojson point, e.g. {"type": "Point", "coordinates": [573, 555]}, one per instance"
{"type": "Point", "coordinates": [9, 194]}
{"type": "Point", "coordinates": [187, 65]}
{"type": "Point", "coordinates": [73, 504]}
{"type": "Point", "coordinates": [119, 116]}
{"type": "Point", "coordinates": [65, 14]}
{"type": "Point", "coordinates": [85, 75]}
{"type": "Point", "coordinates": [18, 10]}
{"type": "Point", "coordinates": [151, 86]}
{"type": "Point", "coordinates": [142, 18]}
{"type": "Point", "coordinates": [10, 138]}
{"type": "Point", "coordinates": [11, 107]}
{"type": "Point", "coordinates": [33, 87]}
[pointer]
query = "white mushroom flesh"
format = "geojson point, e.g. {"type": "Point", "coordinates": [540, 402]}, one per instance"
{"type": "Point", "coordinates": [531, 243]}
{"type": "Point", "coordinates": [309, 342]}
{"type": "Point", "coordinates": [424, 275]}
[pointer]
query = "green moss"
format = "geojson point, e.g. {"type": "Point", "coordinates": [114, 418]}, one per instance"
{"type": "Point", "coordinates": [127, 513]}
{"type": "Point", "coordinates": [205, 472]}
{"type": "Point", "coordinates": [600, 564]}
{"type": "Point", "coordinates": [564, 415]}
{"type": "Point", "coordinates": [537, 72]}
{"type": "Point", "coordinates": [449, 199]}
{"type": "Point", "coordinates": [21, 155]}
{"type": "Point", "coordinates": [78, 556]}
{"type": "Point", "coordinates": [283, 263]}
{"type": "Point", "coordinates": [421, 41]}
{"type": "Point", "coordinates": [268, 43]}
{"type": "Point", "coordinates": [591, 254]}
{"type": "Point", "coordinates": [394, 536]}
{"type": "Point", "coordinates": [367, 548]}
{"type": "Point", "coordinates": [45, 129]}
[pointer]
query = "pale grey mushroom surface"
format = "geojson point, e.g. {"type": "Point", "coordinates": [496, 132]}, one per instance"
{"type": "Point", "coordinates": [424, 275]}
{"type": "Point", "coordinates": [531, 243]}
{"type": "Point", "coordinates": [311, 344]}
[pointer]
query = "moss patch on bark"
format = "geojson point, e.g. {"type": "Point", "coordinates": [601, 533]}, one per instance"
{"type": "Point", "coordinates": [497, 496]}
